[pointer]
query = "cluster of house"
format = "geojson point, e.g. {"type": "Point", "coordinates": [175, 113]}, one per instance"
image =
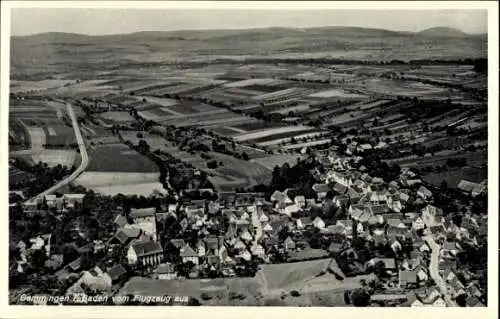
{"type": "Point", "coordinates": [240, 227]}
{"type": "Point", "coordinates": [27, 249]}
{"type": "Point", "coordinates": [60, 203]}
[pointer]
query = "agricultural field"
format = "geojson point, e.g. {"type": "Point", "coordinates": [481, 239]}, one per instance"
{"type": "Point", "coordinates": [233, 172]}
{"type": "Point", "coordinates": [126, 183]}
{"type": "Point", "coordinates": [17, 176]}
{"type": "Point", "coordinates": [337, 93]}
{"type": "Point", "coordinates": [473, 159]}
{"type": "Point", "coordinates": [118, 117]}
{"type": "Point", "coordinates": [66, 158]}
{"type": "Point", "coordinates": [270, 161]}
{"type": "Point", "coordinates": [154, 141]}
{"type": "Point", "coordinates": [27, 86]}
{"type": "Point", "coordinates": [256, 125]}
{"type": "Point", "coordinates": [227, 131]}
{"type": "Point", "coordinates": [218, 290]}
{"type": "Point", "coordinates": [286, 140]}
{"type": "Point", "coordinates": [307, 144]}
{"type": "Point", "coordinates": [118, 158]}
{"type": "Point", "coordinates": [283, 276]}
{"type": "Point", "coordinates": [19, 137]}
{"type": "Point", "coordinates": [273, 133]}
{"type": "Point", "coordinates": [88, 88]}
{"type": "Point", "coordinates": [401, 88]}
{"type": "Point", "coordinates": [453, 177]}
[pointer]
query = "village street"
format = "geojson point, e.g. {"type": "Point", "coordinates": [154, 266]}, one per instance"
{"type": "Point", "coordinates": [257, 226]}
{"type": "Point", "coordinates": [434, 270]}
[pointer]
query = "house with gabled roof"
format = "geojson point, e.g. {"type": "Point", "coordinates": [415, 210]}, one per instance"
{"type": "Point", "coordinates": [408, 279]}
{"type": "Point", "coordinates": [303, 222]}
{"type": "Point", "coordinates": [120, 221]}
{"type": "Point", "coordinates": [116, 273]}
{"type": "Point", "coordinates": [289, 244]}
{"type": "Point", "coordinates": [395, 222]}
{"type": "Point", "coordinates": [300, 201]}
{"type": "Point", "coordinates": [432, 215]}
{"type": "Point", "coordinates": [142, 213]}
{"type": "Point", "coordinates": [258, 250]}
{"type": "Point", "coordinates": [267, 228]}
{"type": "Point", "coordinates": [418, 224]}
{"type": "Point", "coordinates": [318, 223]}
{"type": "Point", "coordinates": [124, 235]}
{"type": "Point", "coordinates": [335, 248]}
{"type": "Point", "coordinates": [166, 271]}
{"type": "Point", "coordinates": [321, 190]}
{"type": "Point", "coordinates": [339, 188]}
{"type": "Point", "coordinates": [450, 249]}
{"type": "Point", "coordinates": [456, 288]}
{"type": "Point", "coordinates": [378, 209]}
{"type": "Point", "coordinates": [290, 209]}
{"type": "Point", "coordinates": [446, 265]}
{"type": "Point", "coordinates": [188, 254]}
{"type": "Point", "coordinates": [146, 253]}
{"type": "Point", "coordinates": [424, 193]}
{"type": "Point", "coordinates": [389, 264]}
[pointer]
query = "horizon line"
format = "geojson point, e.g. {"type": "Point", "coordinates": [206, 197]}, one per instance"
{"type": "Point", "coordinates": [254, 28]}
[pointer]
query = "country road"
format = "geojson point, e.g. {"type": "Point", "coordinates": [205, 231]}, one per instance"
{"type": "Point", "coordinates": [434, 271]}
{"type": "Point", "coordinates": [83, 154]}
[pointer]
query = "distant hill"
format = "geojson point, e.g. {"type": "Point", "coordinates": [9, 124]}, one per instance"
{"type": "Point", "coordinates": [59, 52]}
{"type": "Point", "coordinates": [443, 32]}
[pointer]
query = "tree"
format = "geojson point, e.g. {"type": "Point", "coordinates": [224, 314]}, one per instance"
{"type": "Point", "coordinates": [379, 269]}
{"type": "Point", "coordinates": [444, 185]}
{"type": "Point", "coordinates": [38, 259]}
{"type": "Point", "coordinates": [360, 298]}
{"type": "Point", "coordinates": [193, 302]}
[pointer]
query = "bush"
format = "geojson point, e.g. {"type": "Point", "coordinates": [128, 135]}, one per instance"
{"type": "Point", "coordinates": [205, 296]}
{"type": "Point", "coordinates": [212, 164]}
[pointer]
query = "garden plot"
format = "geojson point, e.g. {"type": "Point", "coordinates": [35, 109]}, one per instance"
{"type": "Point", "coordinates": [271, 132]}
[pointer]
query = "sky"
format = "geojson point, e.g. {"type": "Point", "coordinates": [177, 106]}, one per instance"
{"type": "Point", "coordinates": [101, 21]}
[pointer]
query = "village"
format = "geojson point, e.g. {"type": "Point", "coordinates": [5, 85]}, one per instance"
{"type": "Point", "coordinates": [417, 253]}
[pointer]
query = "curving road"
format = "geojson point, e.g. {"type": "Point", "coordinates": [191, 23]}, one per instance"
{"type": "Point", "coordinates": [83, 154]}
{"type": "Point", "coordinates": [434, 271]}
